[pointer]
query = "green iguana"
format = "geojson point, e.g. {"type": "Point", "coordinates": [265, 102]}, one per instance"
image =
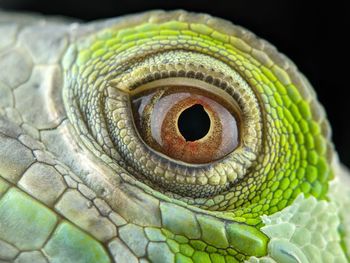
{"type": "Point", "coordinates": [162, 137]}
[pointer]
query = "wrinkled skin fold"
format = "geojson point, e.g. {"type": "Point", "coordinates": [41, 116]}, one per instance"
{"type": "Point", "coordinates": [79, 184]}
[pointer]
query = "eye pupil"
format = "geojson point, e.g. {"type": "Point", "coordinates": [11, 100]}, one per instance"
{"type": "Point", "coordinates": [194, 123]}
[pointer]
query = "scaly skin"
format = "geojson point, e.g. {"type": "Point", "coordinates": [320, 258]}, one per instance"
{"type": "Point", "coordinates": [77, 184]}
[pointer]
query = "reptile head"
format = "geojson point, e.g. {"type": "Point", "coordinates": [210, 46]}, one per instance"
{"type": "Point", "coordinates": [162, 137]}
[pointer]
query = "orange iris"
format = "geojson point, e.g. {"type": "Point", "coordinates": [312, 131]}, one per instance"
{"type": "Point", "coordinates": [186, 123]}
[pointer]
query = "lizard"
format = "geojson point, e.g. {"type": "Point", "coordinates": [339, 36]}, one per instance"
{"type": "Point", "coordinates": [88, 174]}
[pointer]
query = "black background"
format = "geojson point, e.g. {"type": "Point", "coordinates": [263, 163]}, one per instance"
{"type": "Point", "coordinates": [313, 34]}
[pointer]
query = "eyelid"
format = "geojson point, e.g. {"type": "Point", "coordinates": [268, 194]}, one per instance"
{"type": "Point", "coordinates": [181, 81]}
{"type": "Point", "coordinates": [163, 174]}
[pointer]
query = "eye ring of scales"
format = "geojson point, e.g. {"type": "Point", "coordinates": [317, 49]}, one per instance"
{"type": "Point", "coordinates": [79, 183]}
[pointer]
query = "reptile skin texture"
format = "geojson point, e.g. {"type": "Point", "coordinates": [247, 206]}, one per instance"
{"type": "Point", "coordinates": [84, 174]}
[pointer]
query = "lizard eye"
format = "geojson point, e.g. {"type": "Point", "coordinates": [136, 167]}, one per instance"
{"type": "Point", "coordinates": [186, 123]}
{"type": "Point", "coordinates": [149, 111]}
{"type": "Point", "coordinates": [199, 112]}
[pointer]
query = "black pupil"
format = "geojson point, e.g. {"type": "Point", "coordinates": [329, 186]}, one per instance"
{"type": "Point", "coordinates": [194, 123]}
